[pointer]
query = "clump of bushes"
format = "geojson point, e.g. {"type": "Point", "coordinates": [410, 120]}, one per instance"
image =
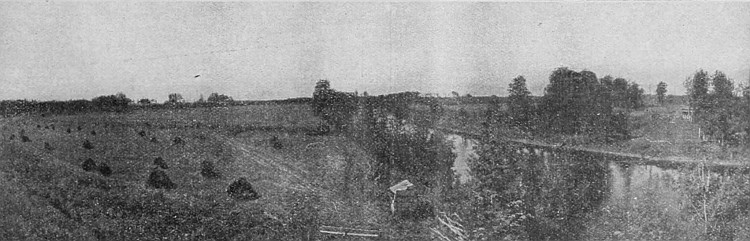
{"type": "Point", "coordinates": [159, 179]}
{"type": "Point", "coordinates": [208, 170]}
{"type": "Point", "coordinates": [242, 189]}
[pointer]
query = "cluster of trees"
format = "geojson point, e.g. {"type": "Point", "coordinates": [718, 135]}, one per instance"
{"type": "Point", "coordinates": [720, 112]}
{"type": "Point", "coordinates": [334, 107]}
{"type": "Point", "coordinates": [118, 102]}
{"type": "Point", "coordinates": [573, 103]}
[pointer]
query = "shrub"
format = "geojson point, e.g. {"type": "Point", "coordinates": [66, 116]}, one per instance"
{"type": "Point", "coordinates": [68, 130]}
{"type": "Point", "coordinates": [276, 143]}
{"type": "Point", "coordinates": [89, 165]}
{"type": "Point", "coordinates": [93, 132]}
{"type": "Point", "coordinates": [159, 162]}
{"type": "Point", "coordinates": [87, 144]}
{"type": "Point", "coordinates": [159, 179]}
{"type": "Point", "coordinates": [79, 128]}
{"type": "Point", "coordinates": [104, 169]}
{"type": "Point", "coordinates": [48, 147]}
{"type": "Point", "coordinates": [177, 141]}
{"type": "Point", "coordinates": [12, 137]}
{"type": "Point", "coordinates": [208, 170]}
{"type": "Point", "coordinates": [142, 133]}
{"type": "Point", "coordinates": [242, 189]}
{"type": "Point", "coordinates": [25, 139]}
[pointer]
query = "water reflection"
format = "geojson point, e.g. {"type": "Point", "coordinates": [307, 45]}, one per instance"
{"type": "Point", "coordinates": [464, 150]}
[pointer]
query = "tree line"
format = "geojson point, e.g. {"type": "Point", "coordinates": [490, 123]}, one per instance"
{"type": "Point", "coordinates": [573, 103]}
{"type": "Point", "coordinates": [118, 103]}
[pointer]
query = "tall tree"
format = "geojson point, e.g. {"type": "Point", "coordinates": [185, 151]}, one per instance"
{"type": "Point", "coordinates": [620, 92]}
{"type": "Point", "coordinates": [519, 103]}
{"type": "Point", "coordinates": [635, 96]}
{"type": "Point", "coordinates": [697, 88]}
{"type": "Point", "coordinates": [661, 89]}
{"type": "Point", "coordinates": [722, 114]}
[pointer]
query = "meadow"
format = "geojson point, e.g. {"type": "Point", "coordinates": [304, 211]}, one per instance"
{"type": "Point", "coordinates": [299, 175]}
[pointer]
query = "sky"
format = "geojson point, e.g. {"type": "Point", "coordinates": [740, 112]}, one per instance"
{"type": "Point", "coordinates": [265, 50]}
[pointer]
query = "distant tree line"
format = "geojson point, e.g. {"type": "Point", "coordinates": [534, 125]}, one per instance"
{"type": "Point", "coordinates": [120, 102]}
{"type": "Point", "coordinates": [573, 103]}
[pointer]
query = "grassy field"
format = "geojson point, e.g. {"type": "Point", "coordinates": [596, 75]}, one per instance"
{"type": "Point", "coordinates": [309, 181]}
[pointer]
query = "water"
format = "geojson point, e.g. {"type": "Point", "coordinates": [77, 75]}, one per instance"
{"type": "Point", "coordinates": [577, 196]}
{"type": "Point", "coordinates": [464, 150]}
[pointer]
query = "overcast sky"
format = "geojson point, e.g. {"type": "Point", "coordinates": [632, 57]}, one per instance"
{"type": "Point", "coordinates": [278, 50]}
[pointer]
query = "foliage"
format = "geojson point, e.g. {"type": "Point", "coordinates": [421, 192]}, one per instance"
{"type": "Point", "coordinates": [715, 107]}
{"type": "Point", "coordinates": [519, 103]}
{"type": "Point", "coordinates": [336, 108]}
{"type": "Point", "coordinates": [216, 97]}
{"type": "Point", "coordinates": [174, 98]}
{"type": "Point", "coordinates": [578, 103]}
{"type": "Point", "coordinates": [661, 90]}
{"type": "Point", "coordinates": [118, 102]}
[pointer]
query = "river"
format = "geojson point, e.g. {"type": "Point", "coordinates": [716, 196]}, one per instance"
{"type": "Point", "coordinates": [575, 196]}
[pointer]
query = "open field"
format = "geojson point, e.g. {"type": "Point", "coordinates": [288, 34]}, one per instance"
{"type": "Point", "coordinates": [301, 181]}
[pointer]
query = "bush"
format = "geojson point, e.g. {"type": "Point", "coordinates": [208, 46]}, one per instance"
{"type": "Point", "coordinates": [68, 130]}
{"type": "Point", "coordinates": [89, 165]}
{"type": "Point", "coordinates": [142, 133]}
{"type": "Point", "coordinates": [48, 147]}
{"type": "Point", "coordinates": [105, 170]}
{"type": "Point", "coordinates": [93, 132]}
{"type": "Point", "coordinates": [242, 189]}
{"type": "Point", "coordinates": [87, 144]}
{"type": "Point", "coordinates": [159, 179]}
{"type": "Point", "coordinates": [12, 137]}
{"type": "Point", "coordinates": [177, 141]}
{"type": "Point", "coordinates": [25, 139]}
{"type": "Point", "coordinates": [208, 170]}
{"type": "Point", "coordinates": [159, 162]}
{"type": "Point", "coordinates": [276, 143]}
